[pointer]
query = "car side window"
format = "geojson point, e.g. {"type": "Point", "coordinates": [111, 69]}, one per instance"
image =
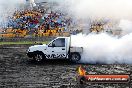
{"type": "Point", "coordinates": [58, 43]}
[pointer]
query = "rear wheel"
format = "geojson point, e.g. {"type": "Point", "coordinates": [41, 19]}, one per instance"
{"type": "Point", "coordinates": [38, 56]}
{"type": "Point", "coordinates": [75, 57]}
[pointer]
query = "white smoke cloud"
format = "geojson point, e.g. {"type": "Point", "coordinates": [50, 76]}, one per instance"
{"type": "Point", "coordinates": [7, 8]}
{"type": "Point", "coordinates": [113, 9]}
{"type": "Point", "coordinates": [10, 4]}
{"type": "Point", "coordinates": [126, 26]}
{"type": "Point", "coordinates": [103, 48]}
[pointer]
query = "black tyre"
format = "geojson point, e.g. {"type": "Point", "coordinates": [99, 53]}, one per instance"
{"type": "Point", "coordinates": [75, 57]}
{"type": "Point", "coordinates": [39, 56]}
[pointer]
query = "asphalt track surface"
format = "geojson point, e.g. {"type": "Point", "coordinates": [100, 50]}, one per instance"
{"type": "Point", "coordinates": [18, 71]}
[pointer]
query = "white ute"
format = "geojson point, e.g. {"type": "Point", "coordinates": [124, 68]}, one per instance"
{"type": "Point", "coordinates": [59, 48]}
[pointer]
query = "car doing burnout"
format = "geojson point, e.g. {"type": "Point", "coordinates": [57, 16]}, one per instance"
{"type": "Point", "coordinates": [59, 48]}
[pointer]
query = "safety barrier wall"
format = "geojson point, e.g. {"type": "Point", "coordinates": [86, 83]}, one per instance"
{"type": "Point", "coordinates": [26, 39]}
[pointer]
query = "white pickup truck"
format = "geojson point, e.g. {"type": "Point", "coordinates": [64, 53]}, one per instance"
{"type": "Point", "coordinates": [59, 48]}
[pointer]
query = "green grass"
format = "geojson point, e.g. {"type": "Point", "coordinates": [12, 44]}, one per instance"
{"type": "Point", "coordinates": [22, 42]}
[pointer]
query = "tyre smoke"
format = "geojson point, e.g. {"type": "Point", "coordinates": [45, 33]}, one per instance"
{"type": "Point", "coordinates": [103, 48]}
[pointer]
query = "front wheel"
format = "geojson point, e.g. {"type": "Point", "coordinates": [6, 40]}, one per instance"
{"type": "Point", "coordinates": [38, 57]}
{"type": "Point", "coordinates": [75, 57]}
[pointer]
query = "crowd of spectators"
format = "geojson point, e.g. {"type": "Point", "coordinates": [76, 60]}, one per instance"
{"type": "Point", "coordinates": [26, 19]}
{"type": "Point", "coordinates": [40, 19]}
{"type": "Point", "coordinates": [54, 20]}
{"type": "Point", "coordinates": [29, 19]}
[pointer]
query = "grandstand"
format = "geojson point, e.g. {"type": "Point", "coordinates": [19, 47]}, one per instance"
{"type": "Point", "coordinates": [39, 21]}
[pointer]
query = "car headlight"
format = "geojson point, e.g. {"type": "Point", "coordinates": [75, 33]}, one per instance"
{"type": "Point", "coordinates": [28, 50]}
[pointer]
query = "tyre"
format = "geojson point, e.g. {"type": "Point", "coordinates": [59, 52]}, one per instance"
{"type": "Point", "coordinates": [39, 56]}
{"type": "Point", "coordinates": [75, 57]}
